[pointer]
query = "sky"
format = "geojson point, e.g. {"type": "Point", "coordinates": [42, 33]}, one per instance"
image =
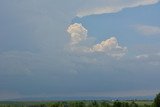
{"type": "Point", "coordinates": [64, 48]}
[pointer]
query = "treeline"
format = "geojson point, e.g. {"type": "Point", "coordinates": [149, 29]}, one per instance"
{"type": "Point", "coordinates": [80, 104]}
{"type": "Point", "coordinates": [156, 103]}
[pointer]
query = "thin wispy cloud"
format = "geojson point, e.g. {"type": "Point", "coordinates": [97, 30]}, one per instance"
{"type": "Point", "coordinates": [104, 6]}
{"type": "Point", "coordinates": [150, 59]}
{"type": "Point", "coordinates": [148, 30]}
{"type": "Point", "coordinates": [143, 56]}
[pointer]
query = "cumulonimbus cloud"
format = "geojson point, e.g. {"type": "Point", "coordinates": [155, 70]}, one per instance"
{"type": "Point", "coordinates": [112, 7]}
{"type": "Point", "coordinates": [109, 46]}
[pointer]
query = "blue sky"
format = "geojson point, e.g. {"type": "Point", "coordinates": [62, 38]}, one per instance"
{"type": "Point", "coordinates": [79, 48]}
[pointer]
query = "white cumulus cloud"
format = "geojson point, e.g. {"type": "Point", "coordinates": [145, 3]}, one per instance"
{"type": "Point", "coordinates": [148, 30]}
{"type": "Point", "coordinates": [109, 47]}
{"type": "Point", "coordinates": [77, 33]}
{"type": "Point", "coordinates": [111, 6]}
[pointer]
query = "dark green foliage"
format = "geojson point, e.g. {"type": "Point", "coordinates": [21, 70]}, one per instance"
{"type": "Point", "coordinates": [156, 102]}
{"type": "Point", "coordinates": [145, 105]}
{"type": "Point", "coordinates": [79, 104]}
{"type": "Point", "coordinates": [95, 104]}
{"type": "Point", "coordinates": [117, 104]}
{"type": "Point", "coordinates": [133, 104]}
{"type": "Point", "coordinates": [104, 104]}
{"type": "Point", "coordinates": [125, 104]}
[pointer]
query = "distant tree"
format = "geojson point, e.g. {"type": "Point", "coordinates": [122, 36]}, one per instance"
{"type": "Point", "coordinates": [156, 102]}
{"type": "Point", "coordinates": [71, 104]}
{"type": "Point", "coordinates": [133, 104]}
{"type": "Point", "coordinates": [125, 104]}
{"type": "Point", "coordinates": [117, 104]}
{"type": "Point", "coordinates": [104, 104]}
{"type": "Point", "coordinates": [95, 104]}
{"type": "Point", "coordinates": [89, 105]}
{"type": "Point", "coordinates": [145, 105]}
{"type": "Point", "coordinates": [81, 104]}
{"type": "Point", "coordinates": [57, 104]}
{"type": "Point", "coordinates": [78, 104]}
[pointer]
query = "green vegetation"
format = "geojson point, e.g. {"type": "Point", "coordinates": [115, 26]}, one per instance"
{"type": "Point", "coordinates": [79, 104]}
{"type": "Point", "coordinates": [155, 103]}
